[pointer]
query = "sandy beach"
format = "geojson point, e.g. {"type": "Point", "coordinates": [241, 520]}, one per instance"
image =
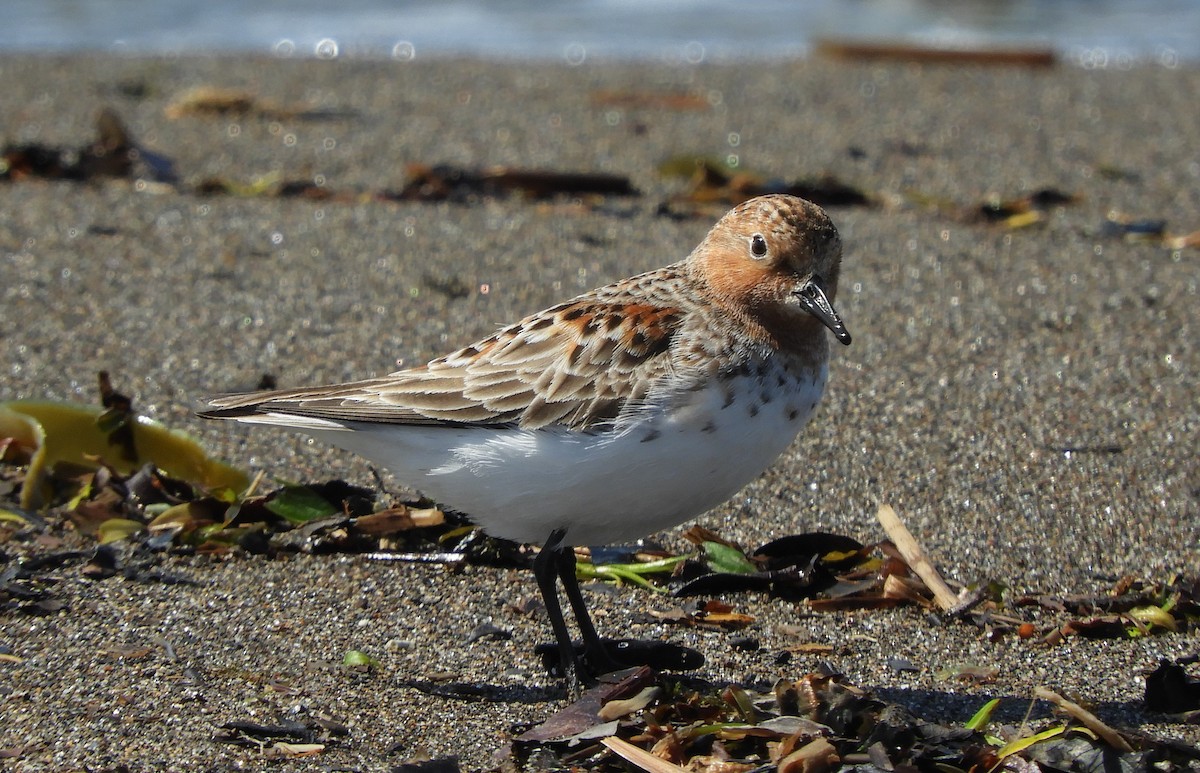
{"type": "Point", "coordinates": [1025, 397]}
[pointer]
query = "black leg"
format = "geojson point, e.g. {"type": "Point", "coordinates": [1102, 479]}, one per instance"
{"type": "Point", "coordinates": [546, 572]}
{"type": "Point", "coordinates": [599, 661]}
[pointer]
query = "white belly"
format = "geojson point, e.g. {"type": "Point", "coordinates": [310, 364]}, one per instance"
{"type": "Point", "coordinates": [599, 487]}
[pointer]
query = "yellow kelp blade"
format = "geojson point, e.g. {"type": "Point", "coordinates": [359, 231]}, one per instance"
{"type": "Point", "coordinates": [69, 432]}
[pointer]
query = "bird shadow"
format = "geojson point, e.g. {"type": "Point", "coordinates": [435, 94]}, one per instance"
{"type": "Point", "coordinates": [482, 692]}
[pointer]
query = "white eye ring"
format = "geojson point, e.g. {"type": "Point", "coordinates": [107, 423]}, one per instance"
{"type": "Point", "coordinates": [758, 246]}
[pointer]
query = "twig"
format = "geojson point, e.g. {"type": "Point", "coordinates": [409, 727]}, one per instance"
{"type": "Point", "coordinates": [1086, 718]}
{"type": "Point", "coordinates": [640, 757]}
{"type": "Point", "coordinates": [915, 557]}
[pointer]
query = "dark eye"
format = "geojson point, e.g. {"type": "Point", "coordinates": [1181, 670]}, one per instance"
{"type": "Point", "coordinates": [758, 246]}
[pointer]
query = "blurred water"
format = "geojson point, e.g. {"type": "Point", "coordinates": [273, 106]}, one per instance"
{"type": "Point", "coordinates": [1092, 32]}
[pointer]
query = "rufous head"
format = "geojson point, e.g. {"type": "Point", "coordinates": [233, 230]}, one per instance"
{"type": "Point", "coordinates": [778, 257]}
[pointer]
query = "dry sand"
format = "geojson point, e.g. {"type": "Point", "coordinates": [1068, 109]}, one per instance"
{"type": "Point", "coordinates": [980, 353]}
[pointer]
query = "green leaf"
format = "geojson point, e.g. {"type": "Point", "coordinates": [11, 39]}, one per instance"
{"type": "Point", "coordinates": [358, 658]}
{"type": "Point", "coordinates": [741, 701]}
{"type": "Point", "coordinates": [11, 517]}
{"type": "Point", "coordinates": [214, 531]}
{"type": "Point", "coordinates": [221, 534]}
{"type": "Point", "coordinates": [186, 517]}
{"type": "Point", "coordinates": [116, 529]}
{"type": "Point", "coordinates": [723, 558]}
{"type": "Point", "coordinates": [1154, 616]}
{"type": "Point", "coordinates": [616, 572]}
{"type": "Point", "coordinates": [300, 504]}
{"type": "Point", "coordinates": [631, 573]}
{"type": "Point", "coordinates": [983, 716]}
{"type": "Point", "coordinates": [1021, 744]}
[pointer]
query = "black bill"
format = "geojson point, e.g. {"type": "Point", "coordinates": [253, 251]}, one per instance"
{"type": "Point", "coordinates": [812, 297]}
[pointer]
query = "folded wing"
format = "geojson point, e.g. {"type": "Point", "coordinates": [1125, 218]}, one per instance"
{"type": "Point", "coordinates": [576, 365]}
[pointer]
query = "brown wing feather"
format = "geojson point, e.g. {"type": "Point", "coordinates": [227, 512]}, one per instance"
{"type": "Point", "coordinates": [576, 365]}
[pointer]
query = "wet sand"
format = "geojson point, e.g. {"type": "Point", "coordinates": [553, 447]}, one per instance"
{"type": "Point", "coordinates": [1025, 398]}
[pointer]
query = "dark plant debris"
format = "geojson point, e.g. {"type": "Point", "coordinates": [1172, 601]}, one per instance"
{"type": "Point", "coordinates": [1170, 689]}
{"type": "Point", "coordinates": [439, 182]}
{"type": "Point", "coordinates": [1151, 230]}
{"type": "Point", "coordinates": [114, 153]}
{"type": "Point", "coordinates": [818, 722]}
{"type": "Point", "coordinates": [289, 739]}
{"type": "Point", "coordinates": [116, 418]}
{"type": "Point", "coordinates": [714, 184]}
{"type": "Point", "coordinates": [1025, 210]}
{"type": "Point", "coordinates": [444, 182]}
